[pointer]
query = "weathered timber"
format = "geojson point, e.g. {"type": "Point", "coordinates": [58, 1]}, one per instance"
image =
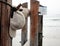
{"type": "Point", "coordinates": [24, 34]}
{"type": "Point", "coordinates": [0, 23]}
{"type": "Point", "coordinates": [34, 23]}
{"type": "Point", "coordinates": [25, 5]}
{"type": "Point", "coordinates": [40, 25]}
{"type": "Point", "coordinates": [24, 29]}
{"type": "Point", "coordinates": [4, 23]}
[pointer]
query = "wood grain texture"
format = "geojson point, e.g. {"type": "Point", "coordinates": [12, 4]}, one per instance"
{"type": "Point", "coordinates": [0, 23]}
{"type": "Point", "coordinates": [5, 13]}
{"type": "Point", "coordinates": [34, 23]}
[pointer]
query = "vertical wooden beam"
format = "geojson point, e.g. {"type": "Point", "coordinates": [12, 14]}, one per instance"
{"type": "Point", "coordinates": [24, 29]}
{"type": "Point", "coordinates": [24, 34]}
{"type": "Point", "coordinates": [34, 23]}
{"type": "Point", "coordinates": [40, 25]}
{"type": "Point", "coordinates": [0, 23]}
{"type": "Point", "coordinates": [5, 17]}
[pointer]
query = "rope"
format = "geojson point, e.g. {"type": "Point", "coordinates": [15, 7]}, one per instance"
{"type": "Point", "coordinates": [12, 8]}
{"type": "Point", "coordinates": [6, 3]}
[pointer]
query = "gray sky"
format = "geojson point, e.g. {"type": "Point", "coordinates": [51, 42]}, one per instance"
{"type": "Point", "coordinates": [16, 2]}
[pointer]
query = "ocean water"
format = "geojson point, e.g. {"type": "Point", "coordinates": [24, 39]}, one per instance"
{"type": "Point", "coordinates": [51, 30]}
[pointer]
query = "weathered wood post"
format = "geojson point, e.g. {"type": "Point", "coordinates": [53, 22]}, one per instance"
{"type": "Point", "coordinates": [24, 29]}
{"type": "Point", "coordinates": [40, 25]}
{"type": "Point", "coordinates": [34, 23]}
{"type": "Point", "coordinates": [42, 11]}
{"type": "Point", "coordinates": [0, 23]}
{"type": "Point", "coordinates": [5, 39]}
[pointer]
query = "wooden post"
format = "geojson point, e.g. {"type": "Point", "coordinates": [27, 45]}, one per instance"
{"type": "Point", "coordinates": [5, 39]}
{"type": "Point", "coordinates": [24, 34]}
{"type": "Point", "coordinates": [0, 23]}
{"type": "Point", "coordinates": [40, 24]}
{"type": "Point", "coordinates": [24, 29]}
{"type": "Point", "coordinates": [34, 23]}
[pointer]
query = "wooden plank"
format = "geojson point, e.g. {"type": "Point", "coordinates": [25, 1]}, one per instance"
{"type": "Point", "coordinates": [5, 38]}
{"type": "Point", "coordinates": [40, 25]}
{"type": "Point", "coordinates": [25, 5]}
{"type": "Point", "coordinates": [24, 30]}
{"type": "Point", "coordinates": [34, 23]}
{"type": "Point", "coordinates": [24, 34]}
{"type": "Point", "coordinates": [0, 23]}
{"type": "Point", "coordinates": [8, 13]}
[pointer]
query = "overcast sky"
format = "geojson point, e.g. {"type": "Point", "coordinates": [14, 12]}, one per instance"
{"type": "Point", "coordinates": [16, 2]}
{"type": "Point", "coordinates": [52, 5]}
